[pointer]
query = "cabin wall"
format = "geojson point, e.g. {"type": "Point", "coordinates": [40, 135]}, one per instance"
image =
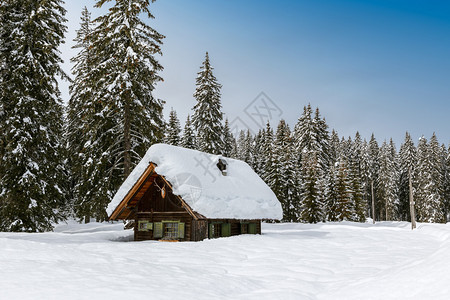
{"type": "Point", "coordinates": [199, 230]}
{"type": "Point", "coordinates": [235, 226]}
{"type": "Point", "coordinates": [158, 206]}
{"type": "Point", "coordinates": [157, 217]}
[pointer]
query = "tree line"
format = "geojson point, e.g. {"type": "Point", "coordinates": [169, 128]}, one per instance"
{"type": "Point", "coordinates": [60, 161]}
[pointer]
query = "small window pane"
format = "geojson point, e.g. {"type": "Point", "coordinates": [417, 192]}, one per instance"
{"type": "Point", "coordinates": [171, 230]}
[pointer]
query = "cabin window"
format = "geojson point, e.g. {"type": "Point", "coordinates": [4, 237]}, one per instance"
{"type": "Point", "coordinates": [217, 230]}
{"type": "Point", "coordinates": [170, 230]}
{"type": "Point", "coordinates": [145, 225]}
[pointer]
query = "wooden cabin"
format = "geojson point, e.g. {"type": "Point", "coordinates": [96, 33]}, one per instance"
{"type": "Point", "coordinates": [178, 194]}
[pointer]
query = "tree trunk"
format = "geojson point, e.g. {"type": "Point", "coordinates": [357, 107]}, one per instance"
{"type": "Point", "coordinates": [411, 202]}
{"type": "Point", "coordinates": [127, 138]}
{"type": "Point", "coordinates": [373, 202]}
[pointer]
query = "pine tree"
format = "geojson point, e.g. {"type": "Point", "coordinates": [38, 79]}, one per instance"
{"type": "Point", "coordinates": [311, 198]}
{"type": "Point", "coordinates": [228, 140]}
{"type": "Point", "coordinates": [123, 118]}
{"type": "Point", "coordinates": [407, 161]}
{"type": "Point", "coordinates": [269, 174]}
{"type": "Point", "coordinates": [334, 148]}
{"type": "Point", "coordinates": [80, 114]}
{"type": "Point", "coordinates": [31, 165]}
{"type": "Point", "coordinates": [331, 203]}
{"type": "Point", "coordinates": [356, 178]}
{"type": "Point", "coordinates": [173, 129]}
{"type": "Point", "coordinates": [257, 151]}
{"type": "Point", "coordinates": [311, 142]}
{"type": "Point", "coordinates": [387, 182]}
{"type": "Point", "coordinates": [344, 210]}
{"type": "Point", "coordinates": [286, 190]}
{"type": "Point", "coordinates": [423, 177]}
{"type": "Point", "coordinates": [207, 117]}
{"type": "Point", "coordinates": [372, 174]}
{"type": "Point", "coordinates": [188, 140]}
{"type": "Point", "coordinates": [125, 75]}
{"type": "Point", "coordinates": [311, 134]}
{"type": "Point", "coordinates": [434, 207]}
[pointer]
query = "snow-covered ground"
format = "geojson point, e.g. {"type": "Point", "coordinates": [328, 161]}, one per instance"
{"type": "Point", "coordinates": [288, 261]}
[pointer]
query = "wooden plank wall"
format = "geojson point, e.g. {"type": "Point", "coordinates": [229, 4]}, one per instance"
{"type": "Point", "coordinates": [159, 217]}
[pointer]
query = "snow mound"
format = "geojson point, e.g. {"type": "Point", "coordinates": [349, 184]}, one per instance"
{"type": "Point", "coordinates": [195, 176]}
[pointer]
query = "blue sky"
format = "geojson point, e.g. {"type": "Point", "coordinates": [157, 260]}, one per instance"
{"type": "Point", "coordinates": [373, 66]}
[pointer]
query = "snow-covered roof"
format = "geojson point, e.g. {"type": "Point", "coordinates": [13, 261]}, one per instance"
{"type": "Point", "coordinates": [195, 177]}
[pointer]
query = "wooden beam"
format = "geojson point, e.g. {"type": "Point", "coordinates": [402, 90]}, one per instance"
{"type": "Point", "coordinates": [184, 204]}
{"type": "Point", "coordinates": [122, 205]}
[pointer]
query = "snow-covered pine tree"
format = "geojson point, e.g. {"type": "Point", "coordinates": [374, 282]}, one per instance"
{"type": "Point", "coordinates": [31, 162]}
{"type": "Point", "coordinates": [311, 195]}
{"type": "Point", "coordinates": [126, 74]}
{"type": "Point", "coordinates": [359, 203]}
{"type": "Point", "coordinates": [372, 174]}
{"type": "Point", "coordinates": [311, 136]}
{"type": "Point", "coordinates": [123, 117]}
{"type": "Point", "coordinates": [331, 201]}
{"type": "Point", "coordinates": [344, 210]}
{"type": "Point", "coordinates": [422, 178]}
{"type": "Point", "coordinates": [447, 185]}
{"type": "Point", "coordinates": [407, 161]}
{"type": "Point", "coordinates": [334, 147]}
{"type": "Point", "coordinates": [286, 190]}
{"type": "Point", "coordinates": [434, 207]}
{"type": "Point", "coordinates": [387, 182]}
{"type": "Point", "coordinates": [257, 150]}
{"type": "Point", "coordinates": [322, 138]}
{"type": "Point", "coordinates": [444, 181]}
{"type": "Point", "coordinates": [80, 114]}
{"type": "Point", "coordinates": [188, 140]}
{"type": "Point", "coordinates": [173, 129]}
{"type": "Point", "coordinates": [228, 140]}
{"type": "Point", "coordinates": [241, 145]}
{"type": "Point", "coordinates": [207, 116]}
{"type": "Point", "coordinates": [269, 174]}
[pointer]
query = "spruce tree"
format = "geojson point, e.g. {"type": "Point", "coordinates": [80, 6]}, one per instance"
{"type": "Point", "coordinates": [286, 190]}
{"type": "Point", "coordinates": [344, 210]}
{"type": "Point", "coordinates": [80, 114]}
{"type": "Point", "coordinates": [244, 146]}
{"type": "Point", "coordinates": [125, 73]}
{"type": "Point", "coordinates": [173, 129]}
{"type": "Point", "coordinates": [311, 195]}
{"type": "Point", "coordinates": [207, 117]}
{"type": "Point", "coordinates": [269, 174]}
{"type": "Point", "coordinates": [372, 174]}
{"type": "Point", "coordinates": [407, 162]}
{"type": "Point", "coordinates": [257, 150]}
{"type": "Point", "coordinates": [122, 117]}
{"type": "Point", "coordinates": [31, 167]}
{"type": "Point", "coordinates": [331, 209]}
{"type": "Point", "coordinates": [387, 182]}
{"type": "Point", "coordinates": [228, 140]}
{"type": "Point", "coordinates": [188, 140]}
{"type": "Point", "coordinates": [435, 203]}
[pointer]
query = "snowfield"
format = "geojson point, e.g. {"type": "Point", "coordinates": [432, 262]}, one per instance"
{"type": "Point", "coordinates": [288, 261]}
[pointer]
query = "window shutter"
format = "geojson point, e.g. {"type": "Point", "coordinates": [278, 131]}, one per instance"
{"type": "Point", "coordinates": [158, 231]}
{"type": "Point", "coordinates": [211, 231]}
{"type": "Point", "coordinates": [226, 229]}
{"type": "Point", "coordinates": [252, 228]}
{"type": "Point", "coordinates": [181, 230]}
